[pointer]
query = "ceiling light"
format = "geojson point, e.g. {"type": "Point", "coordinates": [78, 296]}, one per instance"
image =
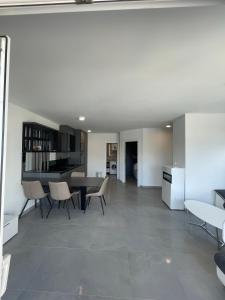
{"type": "Point", "coordinates": [81, 118]}
{"type": "Point", "coordinates": [168, 126]}
{"type": "Point", "coordinates": [89, 131]}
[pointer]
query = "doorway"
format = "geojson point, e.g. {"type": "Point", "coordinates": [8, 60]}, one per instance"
{"type": "Point", "coordinates": [111, 159]}
{"type": "Point", "coordinates": [131, 167]}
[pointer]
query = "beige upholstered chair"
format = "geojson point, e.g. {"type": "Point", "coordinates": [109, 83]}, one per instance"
{"type": "Point", "coordinates": [100, 194]}
{"type": "Point", "coordinates": [77, 174]}
{"type": "Point", "coordinates": [33, 190]}
{"type": "Point", "coordinates": [59, 191]}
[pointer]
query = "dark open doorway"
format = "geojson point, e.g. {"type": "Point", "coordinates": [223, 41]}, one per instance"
{"type": "Point", "coordinates": [131, 161]}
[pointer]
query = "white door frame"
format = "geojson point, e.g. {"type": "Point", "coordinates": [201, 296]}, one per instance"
{"type": "Point", "coordinates": [138, 160]}
{"type": "Point", "coordinates": [4, 82]}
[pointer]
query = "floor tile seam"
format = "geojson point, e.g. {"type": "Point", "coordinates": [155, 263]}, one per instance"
{"type": "Point", "coordinates": [79, 225]}
{"type": "Point", "coordinates": [89, 249]}
{"type": "Point", "coordinates": [47, 292]}
{"type": "Point", "coordinates": [116, 297]}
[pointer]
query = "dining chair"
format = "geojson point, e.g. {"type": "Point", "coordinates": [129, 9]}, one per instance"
{"type": "Point", "coordinates": [78, 174]}
{"type": "Point", "coordinates": [33, 190]}
{"type": "Point", "coordinates": [60, 192]}
{"type": "Point", "coordinates": [100, 194]}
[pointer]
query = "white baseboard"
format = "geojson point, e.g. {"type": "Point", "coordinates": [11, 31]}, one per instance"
{"type": "Point", "coordinates": [151, 186]}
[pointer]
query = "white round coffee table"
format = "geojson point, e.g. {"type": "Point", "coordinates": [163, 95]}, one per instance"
{"type": "Point", "coordinates": [209, 214]}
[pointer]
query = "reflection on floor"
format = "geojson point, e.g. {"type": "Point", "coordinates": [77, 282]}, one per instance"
{"type": "Point", "coordinates": [138, 250]}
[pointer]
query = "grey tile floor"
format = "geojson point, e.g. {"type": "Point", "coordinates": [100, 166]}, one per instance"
{"type": "Point", "coordinates": [138, 250]}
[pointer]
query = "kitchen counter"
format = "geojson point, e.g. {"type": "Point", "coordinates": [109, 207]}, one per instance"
{"type": "Point", "coordinates": [61, 172]}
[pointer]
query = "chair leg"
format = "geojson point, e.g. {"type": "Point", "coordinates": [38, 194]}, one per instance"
{"type": "Point", "coordinates": [104, 199]}
{"type": "Point", "coordinates": [64, 204]}
{"type": "Point", "coordinates": [85, 205]}
{"type": "Point", "coordinates": [23, 208]}
{"type": "Point", "coordinates": [88, 201]}
{"type": "Point", "coordinates": [41, 208]}
{"type": "Point", "coordinates": [74, 206]}
{"type": "Point", "coordinates": [49, 201]}
{"type": "Point", "coordinates": [78, 201]}
{"type": "Point", "coordinates": [35, 203]}
{"type": "Point", "coordinates": [102, 205]}
{"type": "Point", "coordinates": [67, 208]}
{"type": "Point", "coordinates": [50, 209]}
{"type": "Point", "coordinates": [59, 205]}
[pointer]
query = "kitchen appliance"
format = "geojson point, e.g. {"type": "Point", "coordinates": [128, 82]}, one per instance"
{"type": "Point", "coordinates": [112, 167]}
{"type": "Point", "coordinates": [173, 187]}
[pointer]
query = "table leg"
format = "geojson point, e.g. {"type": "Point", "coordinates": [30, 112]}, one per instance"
{"type": "Point", "coordinates": [83, 192]}
{"type": "Point", "coordinates": [203, 226]}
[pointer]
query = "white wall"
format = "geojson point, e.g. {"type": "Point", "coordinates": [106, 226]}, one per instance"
{"type": "Point", "coordinates": [97, 151]}
{"type": "Point", "coordinates": [14, 199]}
{"type": "Point", "coordinates": [154, 151]}
{"type": "Point", "coordinates": [205, 155]}
{"type": "Point", "coordinates": [157, 152]}
{"type": "Point", "coordinates": [179, 142]}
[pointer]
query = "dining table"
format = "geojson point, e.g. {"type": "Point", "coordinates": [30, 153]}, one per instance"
{"type": "Point", "coordinates": [81, 183]}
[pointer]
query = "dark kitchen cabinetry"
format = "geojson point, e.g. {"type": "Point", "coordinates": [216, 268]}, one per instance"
{"type": "Point", "coordinates": [81, 145]}
{"type": "Point", "coordinates": [39, 138]}
{"type": "Point", "coordinates": [45, 149]}
{"type": "Point", "coordinates": [67, 138]}
{"type": "Point", "coordinates": [81, 140]}
{"type": "Point", "coordinates": [73, 140]}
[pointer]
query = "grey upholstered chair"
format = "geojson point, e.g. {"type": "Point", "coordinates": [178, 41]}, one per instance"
{"type": "Point", "coordinates": [33, 190]}
{"type": "Point", "coordinates": [100, 194]}
{"type": "Point", "coordinates": [78, 174]}
{"type": "Point", "coordinates": [60, 192]}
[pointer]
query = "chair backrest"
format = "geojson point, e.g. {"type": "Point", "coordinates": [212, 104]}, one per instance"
{"type": "Point", "coordinates": [77, 174]}
{"type": "Point", "coordinates": [59, 190]}
{"type": "Point", "coordinates": [33, 190]}
{"type": "Point", "coordinates": [103, 186]}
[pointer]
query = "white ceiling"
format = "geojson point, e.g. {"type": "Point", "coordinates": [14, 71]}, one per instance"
{"type": "Point", "coordinates": [121, 69]}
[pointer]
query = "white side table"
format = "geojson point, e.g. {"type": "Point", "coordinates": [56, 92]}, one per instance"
{"type": "Point", "coordinates": [209, 214]}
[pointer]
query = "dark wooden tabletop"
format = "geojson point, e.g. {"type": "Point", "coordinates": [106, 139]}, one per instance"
{"type": "Point", "coordinates": [72, 181]}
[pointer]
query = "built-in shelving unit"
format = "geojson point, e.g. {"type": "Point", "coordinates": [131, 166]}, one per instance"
{"type": "Point", "coordinates": [48, 150]}
{"type": "Point", "coordinates": [39, 138]}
